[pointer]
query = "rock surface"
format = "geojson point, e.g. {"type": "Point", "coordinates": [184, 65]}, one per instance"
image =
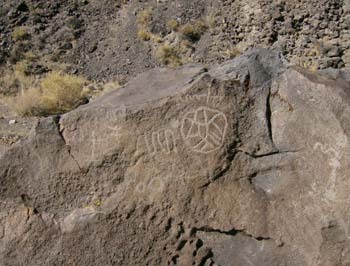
{"type": "Point", "coordinates": [244, 163]}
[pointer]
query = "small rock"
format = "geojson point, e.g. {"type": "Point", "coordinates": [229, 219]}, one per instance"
{"type": "Point", "coordinates": [12, 122]}
{"type": "Point", "coordinates": [66, 46]}
{"type": "Point", "coordinates": [334, 52]}
{"type": "Point", "coordinates": [331, 62]}
{"type": "Point", "coordinates": [323, 25]}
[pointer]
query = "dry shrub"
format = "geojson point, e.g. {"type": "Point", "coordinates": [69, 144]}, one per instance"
{"type": "Point", "coordinates": [20, 34]}
{"type": "Point", "coordinates": [15, 80]}
{"type": "Point", "coordinates": [232, 52]}
{"type": "Point", "coordinates": [193, 31]}
{"type": "Point", "coordinates": [307, 63]}
{"type": "Point", "coordinates": [169, 55]}
{"type": "Point", "coordinates": [156, 38]}
{"type": "Point", "coordinates": [211, 21]}
{"type": "Point", "coordinates": [172, 25]}
{"type": "Point", "coordinates": [57, 93]}
{"type": "Point", "coordinates": [27, 103]}
{"type": "Point", "coordinates": [61, 92]}
{"type": "Point", "coordinates": [97, 89]}
{"type": "Point", "coordinates": [30, 56]}
{"type": "Point", "coordinates": [144, 34]}
{"type": "Point", "coordinates": [175, 48]}
{"type": "Point", "coordinates": [110, 86]}
{"type": "Point", "coordinates": [144, 18]}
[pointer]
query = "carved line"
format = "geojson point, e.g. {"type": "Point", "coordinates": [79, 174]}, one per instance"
{"type": "Point", "coordinates": [212, 140]}
{"type": "Point", "coordinates": [207, 97]}
{"type": "Point", "coordinates": [155, 144]}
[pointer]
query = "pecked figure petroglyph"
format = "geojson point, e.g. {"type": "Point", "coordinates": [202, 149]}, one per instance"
{"type": "Point", "coordinates": [159, 141]}
{"type": "Point", "coordinates": [204, 129]}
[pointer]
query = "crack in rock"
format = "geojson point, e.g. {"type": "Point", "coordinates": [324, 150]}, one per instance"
{"type": "Point", "coordinates": [268, 115]}
{"type": "Point", "coordinates": [60, 133]}
{"type": "Point", "coordinates": [231, 232]}
{"type": "Point", "coordinates": [254, 156]}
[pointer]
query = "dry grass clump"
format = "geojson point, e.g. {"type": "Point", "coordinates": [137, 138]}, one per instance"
{"type": "Point", "coordinates": [177, 46]}
{"type": "Point", "coordinates": [21, 44]}
{"type": "Point", "coordinates": [61, 92]}
{"type": "Point", "coordinates": [169, 55]}
{"type": "Point", "coordinates": [193, 31]}
{"type": "Point", "coordinates": [232, 52]}
{"type": "Point", "coordinates": [30, 56]}
{"type": "Point", "coordinates": [55, 94]}
{"type": "Point", "coordinates": [98, 89]}
{"type": "Point", "coordinates": [178, 50]}
{"type": "Point", "coordinates": [27, 103]}
{"type": "Point", "coordinates": [211, 21]}
{"type": "Point", "coordinates": [144, 34]}
{"type": "Point", "coordinates": [20, 34]}
{"type": "Point", "coordinates": [17, 79]}
{"type": "Point", "coordinates": [172, 25]}
{"type": "Point", "coordinates": [307, 63]}
{"type": "Point", "coordinates": [144, 19]}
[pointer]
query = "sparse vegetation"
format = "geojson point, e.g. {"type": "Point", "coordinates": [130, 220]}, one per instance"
{"type": "Point", "coordinates": [56, 93]}
{"type": "Point", "coordinates": [61, 92]}
{"type": "Point", "coordinates": [20, 34]}
{"type": "Point", "coordinates": [17, 79]}
{"type": "Point", "coordinates": [27, 103]}
{"type": "Point", "coordinates": [144, 34]}
{"type": "Point", "coordinates": [232, 52]}
{"type": "Point", "coordinates": [169, 55]}
{"type": "Point", "coordinates": [156, 38]}
{"type": "Point", "coordinates": [307, 63]}
{"type": "Point", "coordinates": [172, 25]}
{"type": "Point", "coordinates": [21, 44]}
{"type": "Point", "coordinates": [211, 21]}
{"type": "Point", "coordinates": [175, 48]}
{"type": "Point", "coordinates": [97, 89]}
{"type": "Point", "coordinates": [39, 94]}
{"type": "Point", "coordinates": [193, 31]}
{"type": "Point", "coordinates": [97, 202]}
{"type": "Point", "coordinates": [144, 18]}
{"type": "Point", "coordinates": [30, 56]}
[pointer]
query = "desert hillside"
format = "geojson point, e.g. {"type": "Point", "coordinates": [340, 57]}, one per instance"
{"type": "Point", "coordinates": [116, 38]}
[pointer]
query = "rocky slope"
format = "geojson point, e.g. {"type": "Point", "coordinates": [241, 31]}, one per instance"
{"type": "Point", "coordinates": [244, 163]}
{"type": "Point", "coordinates": [99, 39]}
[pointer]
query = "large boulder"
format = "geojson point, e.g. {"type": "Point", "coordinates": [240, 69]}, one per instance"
{"type": "Point", "coordinates": [244, 163]}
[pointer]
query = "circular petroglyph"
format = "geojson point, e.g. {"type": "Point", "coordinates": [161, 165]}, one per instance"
{"type": "Point", "coordinates": [204, 129]}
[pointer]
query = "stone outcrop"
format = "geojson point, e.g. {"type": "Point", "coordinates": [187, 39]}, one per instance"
{"type": "Point", "coordinates": [244, 163]}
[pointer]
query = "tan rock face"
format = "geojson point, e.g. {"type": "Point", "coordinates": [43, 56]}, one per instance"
{"type": "Point", "coordinates": [245, 163]}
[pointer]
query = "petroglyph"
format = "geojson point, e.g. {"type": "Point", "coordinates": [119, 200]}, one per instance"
{"type": "Point", "coordinates": [163, 141]}
{"type": "Point", "coordinates": [99, 142]}
{"type": "Point", "coordinates": [151, 184]}
{"type": "Point", "coordinates": [204, 129]}
{"type": "Point", "coordinates": [95, 142]}
{"type": "Point", "coordinates": [334, 163]}
{"type": "Point", "coordinates": [208, 97]}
